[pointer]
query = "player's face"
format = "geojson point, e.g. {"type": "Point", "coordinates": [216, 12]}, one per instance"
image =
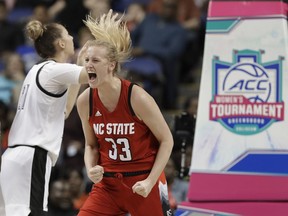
{"type": "Point", "coordinates": [68, 42]}
{"type": "Point", "coordinates": [97, 65]}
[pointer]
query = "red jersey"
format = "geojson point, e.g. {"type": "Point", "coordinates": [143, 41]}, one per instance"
{"type": "Point", "coordinates": [126, 144]}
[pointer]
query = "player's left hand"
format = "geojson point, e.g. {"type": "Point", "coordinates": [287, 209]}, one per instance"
{"type": "Point", "coordinates": [143, 188]}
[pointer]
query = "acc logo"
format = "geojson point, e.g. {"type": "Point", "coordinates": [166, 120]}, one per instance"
{"type": "Point", "coordinates": [247, 93]}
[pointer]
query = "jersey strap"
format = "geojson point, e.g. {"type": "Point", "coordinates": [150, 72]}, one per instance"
{"type": "Point", "coordinates": [129, 98]}
{"type": "Point", "coordinates": [91, 102]}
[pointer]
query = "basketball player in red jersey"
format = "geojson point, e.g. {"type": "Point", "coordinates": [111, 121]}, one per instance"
{"type": "Point", "coordinates": [128, 142]}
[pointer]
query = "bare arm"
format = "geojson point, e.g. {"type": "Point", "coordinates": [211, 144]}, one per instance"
{"type": "Point", "coordinates": [73, 90]}
{"type": "Point", "coordinates": [146, 109]}
{"type": "Point", "coordinates": [83, 78]}
{"type": "Point", "coordinates": [91, 155]}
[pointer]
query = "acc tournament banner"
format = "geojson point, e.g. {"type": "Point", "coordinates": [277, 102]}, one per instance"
{"type": "Point", "coordinates": [240, 152]}
{"type": "Point", "coordinates": [242, 124]}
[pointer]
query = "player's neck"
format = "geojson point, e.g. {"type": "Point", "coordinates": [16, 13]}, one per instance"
{"type": "Point", "coordinates": [61, 58]}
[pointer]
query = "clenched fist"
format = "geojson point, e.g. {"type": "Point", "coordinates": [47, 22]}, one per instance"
{"type": "Point", "coordinates": [143, 188]}
{"type": "Point", "coordinates": [95, 173]}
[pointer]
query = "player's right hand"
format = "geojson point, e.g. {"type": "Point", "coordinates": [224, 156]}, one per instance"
{"type": "Point", "coordinates": [95, 173]}
{"type": "Point", "coordinates": [81, 55]}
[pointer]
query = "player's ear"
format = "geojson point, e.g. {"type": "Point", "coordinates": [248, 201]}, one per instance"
{"type": "Point", "coordinates": [61, 43]}
{"type": "Point", "coordinates": [112, 65]}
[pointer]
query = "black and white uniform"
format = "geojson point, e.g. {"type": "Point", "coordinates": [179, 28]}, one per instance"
{"type": "Point", "coordinates": [2, 209]}
{"type": "Point", "coordinates": [35, 138]}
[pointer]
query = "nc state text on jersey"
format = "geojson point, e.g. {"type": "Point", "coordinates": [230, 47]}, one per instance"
{"type": "Point", "coordinates": [114, 128]}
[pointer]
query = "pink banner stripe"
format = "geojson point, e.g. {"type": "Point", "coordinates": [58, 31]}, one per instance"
{"type": "Point", "coordinates": [246, 8]}
{"type": "Point", "coordinates": [237, 187]}
{"type": "Point", "coordinates": [241, 208]}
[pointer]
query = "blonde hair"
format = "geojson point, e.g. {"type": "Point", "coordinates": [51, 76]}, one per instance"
{"type": "Point", "coordinates": [113, 34]}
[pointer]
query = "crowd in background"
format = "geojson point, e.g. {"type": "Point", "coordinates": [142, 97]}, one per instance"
{"type": "Point", "coordinates": [168, 41]}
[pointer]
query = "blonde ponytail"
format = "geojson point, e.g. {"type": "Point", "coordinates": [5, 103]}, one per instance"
{"type": "Point", "coordinates": [111, 30]}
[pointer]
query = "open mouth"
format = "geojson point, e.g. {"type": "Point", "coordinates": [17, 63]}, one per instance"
{"type": "Point", "coordinates": [92, 76]}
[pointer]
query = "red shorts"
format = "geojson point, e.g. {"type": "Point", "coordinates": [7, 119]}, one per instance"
{"type": "Point", "coordinates": [114, 197]}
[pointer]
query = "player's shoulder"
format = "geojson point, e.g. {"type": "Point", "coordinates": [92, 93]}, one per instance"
{"type": "Point", "coordinates": [62, 66]}
{"type": "Point", "coordinates": [141, 101]}
{"type": "Point", "coordinates": [139, 94]}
